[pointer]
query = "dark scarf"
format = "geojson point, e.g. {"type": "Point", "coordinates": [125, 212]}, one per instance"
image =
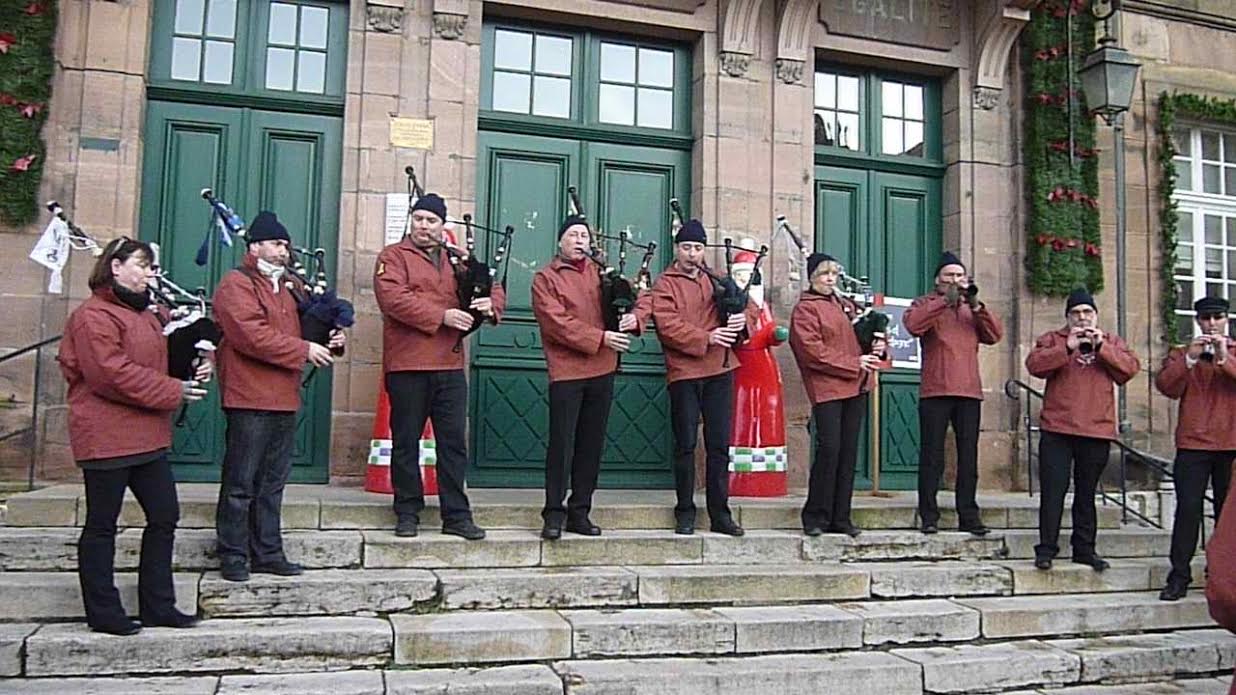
{"type": "Point", "coordinates": [137, 301]}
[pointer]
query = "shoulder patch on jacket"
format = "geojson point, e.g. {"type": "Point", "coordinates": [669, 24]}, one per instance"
{"type": "Point", "coordinates": [381, 267]}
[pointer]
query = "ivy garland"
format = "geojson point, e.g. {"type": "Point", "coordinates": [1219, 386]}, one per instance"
{"type": "Point", "coordinates": [1171, 107]}
{"type": "Point", "coordinates": [27, 28]}
{"type": "Point", "coordinates": [1064, 246]}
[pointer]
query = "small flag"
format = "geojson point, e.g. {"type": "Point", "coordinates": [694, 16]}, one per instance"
{"type": "Point", "coordinates": [52, 252]}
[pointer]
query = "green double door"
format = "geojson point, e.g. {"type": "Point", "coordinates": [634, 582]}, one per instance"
{"type": "Point", "coordinates": [886, 226]}
{"type": "Point", "coordinates": [522, 181]}
{"type": "Point", "coordinates": [254, 160]}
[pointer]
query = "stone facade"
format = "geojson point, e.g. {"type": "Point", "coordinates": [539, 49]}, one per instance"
{"type": "Point", "coordinates": [752, 96]}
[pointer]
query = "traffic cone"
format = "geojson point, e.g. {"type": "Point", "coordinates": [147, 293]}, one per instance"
{"type": "Point", "coordinates": [378, 471]}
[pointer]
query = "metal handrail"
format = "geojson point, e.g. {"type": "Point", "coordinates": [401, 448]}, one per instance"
{"type": "Point", "coordinates": [36, 348]}
{"type": "Point", "coordinates": [33, 346]}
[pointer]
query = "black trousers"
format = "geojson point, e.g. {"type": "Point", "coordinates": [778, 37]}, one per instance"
{"type": "Point", "coordinates": [1191, 472]}
{"type": "Point", "coordinates": [934, 417]}
{"type": "Point", "coordinates": [155, 490]}
{"type": "Point", "coordinates": [441, 397]}
{"type": "Point", "coordinates": [830, 489]}
{"type": "Point", "coordinates": [578, 412]}
{"type": "Point", "coordinates": [711, 397]}
{"type": "Point", "coordinates": [256, 467]}
{"type": "Point", "coordinates": [1087, 456]}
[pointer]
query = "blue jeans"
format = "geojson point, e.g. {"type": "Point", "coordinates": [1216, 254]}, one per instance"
{"type": "Point", "coordinates": [255, 470]}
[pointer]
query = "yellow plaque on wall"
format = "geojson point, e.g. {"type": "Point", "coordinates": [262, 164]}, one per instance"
{"type": "Point", "coordinates": [415, 133]}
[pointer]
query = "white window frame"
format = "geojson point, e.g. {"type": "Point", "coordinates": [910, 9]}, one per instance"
{"type": "Point", "coordinates": [1199, 205]}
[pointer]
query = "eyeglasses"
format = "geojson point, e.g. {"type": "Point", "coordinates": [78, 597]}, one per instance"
{"type": "Point", "coordinates": [1211, 317]}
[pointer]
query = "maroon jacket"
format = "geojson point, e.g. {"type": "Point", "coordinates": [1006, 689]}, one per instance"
{"type": "Point", "coordinates": [1221, 567]}
{"type": "Point", "coordinates": [950, 338]}
{"type": "Point", "coordinates": [1080, 398]}
{"type": "Point", "coordinates": [685, 314]}
{"type": "Point", "coordinates": [414, 293]}
{"type": "Point", "coordinates": [567, 305]}
{"type": "Point", "coordinates": [262, 354]}
{"type": "Point", "coordinates": [825, 347]}
{"type": "Point", "coordinates": [120, 395]}
{"type": "Point", "coordinates": [1207, 394]}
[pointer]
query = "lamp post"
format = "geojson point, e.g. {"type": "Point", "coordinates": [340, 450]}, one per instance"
{"type": "Point", "coordinates": [1108, 76]}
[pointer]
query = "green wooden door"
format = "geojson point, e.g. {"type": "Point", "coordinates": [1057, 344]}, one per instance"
{"type": "Point", "coordinates": [255, 160]}
{"type": "Point", "coordinates": [523, 182]}
{"type": "Point", "coordinates": [885, 226]}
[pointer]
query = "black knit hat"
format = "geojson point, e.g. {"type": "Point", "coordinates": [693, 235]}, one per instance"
{"type": "Point", "coordinates": [1211, 305]}
{"type": "Point", "coordinates": [571, 221]}
{"type": "Point", "coordinates": [948, 258]}
{"type": "Point", "coordinates": [693, 230]}
{"type": "Point", "coordinates": [1078, 297]}
{"type": "Point", "coordinates": [266, 227]}
{"type": "Point", "coordinates": [431, 202]}
{"type": "Point", "coordinates": [814, 261]}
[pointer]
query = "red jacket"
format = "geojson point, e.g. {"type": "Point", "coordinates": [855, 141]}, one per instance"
{"type": "Point", "coordinates": [262, 354]}
{"type": "Point", "coordinates": [950, 338]}
{"type": "Point", "coordinates": [1207, 394]}
{"type": "Point", "coordinates": [1080, 398]}
{"type": "Point", "coordinates": [414, 293]}
{"type": "Point", "coordinates": [685, 314]}
{"type": "Point", "coordinates": [567, 305]}
{"type": "Point", "coordinates": [1221, 567]}
{"type": "Point", "coordinates": [825, 347]}
{"type": "Point", "coordinates": [120, 395]}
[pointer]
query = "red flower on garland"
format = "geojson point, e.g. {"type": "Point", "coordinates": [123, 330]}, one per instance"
{"type": "Point", "coordinates": [1043, 239]}
{"type": "Point", "coordinates": [34, 9]}
{"type": "Point", "coordinates": [8, 100]}
{"type": "Point", "coordinates": [1092, 249]}
{"type": "Point", "coordinates": [1071, 243]}
{"type": "Point", "coordinates": [23, 163]}
{"type": "Point", "coordinates": [31, 110]}
{"type": "Point", "coordinates": [1057, 244]}
{"type": "Point", "coordinates": [6, 40]}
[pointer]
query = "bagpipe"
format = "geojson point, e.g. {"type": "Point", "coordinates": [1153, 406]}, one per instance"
{"type": "Point", "coordinates": [474, 278]}
{"type": "Point", "coordinates": [618, 293]}
{"type": "Point", "coordinates": [192, 336]}
{"type": "Point", "coordinates": [730, 299]}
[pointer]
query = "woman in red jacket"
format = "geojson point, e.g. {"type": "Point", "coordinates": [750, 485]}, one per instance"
{"type": "Point", "coordinates": [121, 399]}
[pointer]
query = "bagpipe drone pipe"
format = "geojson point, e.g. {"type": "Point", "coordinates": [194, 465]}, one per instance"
{"type": "Point", "coordinates": [618, 293]}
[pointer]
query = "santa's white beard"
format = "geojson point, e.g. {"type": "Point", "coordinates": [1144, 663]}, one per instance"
{"type": "Point", "coordinates": [756, 293]}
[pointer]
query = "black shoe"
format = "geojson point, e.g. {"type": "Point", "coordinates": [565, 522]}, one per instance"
{"type": "Point", "coordinates": [851, 530]}
{"type": "Point", "coordinates": [234, 572]}
{"type": "Point", "coordinates": [728, 527]}
{"type": "Point", "coordinates": [976, 530]}
{"type": "Point", "coordinates": [464, 529]}
{"type": "Point", "coordinates": [551, 532]}
{"type": "Point", "coordinates": [121, 628]}
{"type": "Point", "coordinates": [1095, 562]}
{"type": "Point", "coordinates": [813, 531]}
{"type": "Point", "coordinates": [930, 529]}
{"type": "Point", "coordinates": [1043, 563]}
{"type": "Point", "coordinates": [173, 619]}
{"type": "Point", "coordinates": [583, 528]}
{"type": "Point", "coordinates": [282, 568]}
{"type": "Point", "coordinates": [685, 528]}
{"type": "Point", "coordinates": [406, 526]}
{"type": "Point", "coordinates": [1174, 591]}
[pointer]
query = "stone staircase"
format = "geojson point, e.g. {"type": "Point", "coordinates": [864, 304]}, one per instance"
{"type": "Point", "coordinates": [636, 610]}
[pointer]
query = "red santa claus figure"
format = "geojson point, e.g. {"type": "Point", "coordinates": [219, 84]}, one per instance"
{"type": "Point", "coordinates": [757, 435]}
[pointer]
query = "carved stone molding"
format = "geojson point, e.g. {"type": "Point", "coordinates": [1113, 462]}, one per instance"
{"type": "Point", "coordinates": [449, 26]}
{"type": "Point", "coordinates": [790, 71]}
{"type": "Point", "coordinates": [796, 20]}
{"type": "Point", "coordinates": [735, 64]}
{"type": "Point", "coordinates": [994, 48]}
{"type": "Point", "coordinates": [388, 20]}
{"type": "Point", "coordinates": [739, 23]}
{"type": "Point", "coordinates": [986, 98]}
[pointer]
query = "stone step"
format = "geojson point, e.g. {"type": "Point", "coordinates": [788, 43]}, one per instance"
{"type": "Point", "coordinates": [1125, 574]}
{"type": "Point", "coordinates": [318, 592]}
{"type": "Point", "coordinates": [1082, 614]}
{"type": "Point", "coordinates": [538, 587]}
{"type": "Point", "coordinates": [992, 667]}
{"type": "Point", "coordinates": [1150, 656]}
{"type": "Point", "coordinates": [914, 621]}
{"type": "Point", "coordinates": [1182, 686]}
{"type": "Point", "coordinates": [271, 645]}
{"type": "Point", "coordinates": [750, 584]}
{"type": "Point", "coordinates": [480, 637]}
{"type": "Point", "coordinates": [12, 638]}
{"type": "Point", "coordinates": [159, 685]}
{"type": "Point", "coordinates": [47, 596]}
{"type": "Point", "coordinates": [1129, 541]}
{"type": "Point", "coordinates": [930, 579]}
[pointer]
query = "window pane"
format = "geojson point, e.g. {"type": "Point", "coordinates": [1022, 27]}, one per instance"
{"type": "Point", "coordinates": [1229, 148]}
{"type": "Point", "coordinates": [1184, 328]}
{"type": "Point", "coordinates": [1213, 225]}
{"type": "Point", "coordinates": [189, 16]}
{"type": "Point", "coordinates": [1184, 174]}
{"type": "Point", "coordinates": [311, 73]}
{"type": "Point", "coordinates": [914, 138]}
{"type": "Point", "coordinates": [1210, 178]}
{"type": "Point", "coordinates": [847, 130]}
{"type": "Point", "coordinates": [656, 108]}
{"type": "Point", "coordinates": [847, 93]}
{"type": "Point", "coordinates": [313, 24]}
{"type": "Point", "coordinates": [656, 68]}
{"type": "Point", "coordinates": [1231, 231]}
{"type": "Point", "coordinates": [279, 68]}
{"type": "Point", "coordinates": [1183, 140]}
{"type": "Point", "coordinates": [511, 92]}
{"type": "Point", "coordinates": [551, 96]}
{"type": "Point", "coordinates": [1184, 227]}
{"type": "Point", "coordinates": [513, 49]}
{"type": "Point", "coordinates": [891, 94]}
{"type": "Point", "coordinates": [825, 90]}
{"type": "Point", "coordinates": [825, 128]}
{"type": "Point", "coordinates": [914, 102]}
{"type": "Point", "coordinates": [617, 63]}
{"type": "Point", "coordinates": [282, 25]}
{"type": "Point", "coordinates": [1184, 259]}
{"type": "Point", "coordinates": [553, 55]}
{"type": "Point", "coordinates": [1210, 145]}
{"type": "Point", "coordinates": [1214, 263]}
{"type": "Point", "coordinates": [891, 136]}
{"type": "Point", "coordinates": [218, 68]}
{"type": "Point", "coordinates": [186, 59]}
{"type": "Point", "coordinates": [1214, 289]}
{"type": "Point", "coordinates": [1184, 294]}
{"type": "Point", "coordinates": [221, 22]}
{"type": "Point", "coordinates": [617, 104]}
{"type": "Point", "coordinates": [1229, 176]}
{"type": "Point", "coordinates": [1231, 264]}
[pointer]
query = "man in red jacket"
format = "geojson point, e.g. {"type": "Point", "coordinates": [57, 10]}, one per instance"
{"type": "Point", "coordinates": [700, 381]}
{"type": "Point", "coordinates": [1202, 375]}
{"type": "Point", "coordinates": [422, 325]}
{"type": "Point", "coordinates": [951, 322]}
{"type": "Point", "coordinates": [582, 358]}
{"type": "Point", "coordinates": [1082, 365]}
{"type": "Point", "coordinates": [260, 363]}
